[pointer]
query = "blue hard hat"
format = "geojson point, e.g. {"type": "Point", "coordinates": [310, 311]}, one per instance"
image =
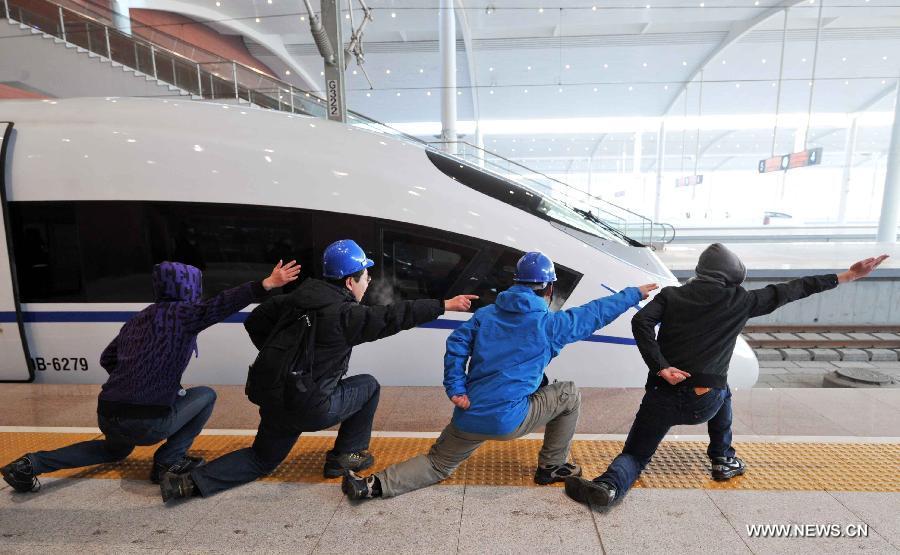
{"type": "Point", "coordinates": [535, 267]}
{"type": "Point", "coordinates": [343, 258]}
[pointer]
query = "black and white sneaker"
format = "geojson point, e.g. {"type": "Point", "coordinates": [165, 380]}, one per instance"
{"type": "Point", "coordinates": [177, 486]}
{"type": "Point", "coordinates": [593, 492]}
{"type": "Point", "coordinates": [555, 473]}
{"type": "Point", "coordinates": [357, 487]}
{"type": "Point", "coordinates": [186, 464]}
{"type": "Point", "coordinates": [726, 468]}
{"type": "Point", "coordinates": [20, 475]}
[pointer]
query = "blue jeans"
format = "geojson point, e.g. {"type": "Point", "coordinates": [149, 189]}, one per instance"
{"type": "Point", "coordinates": [661, 408]}
{"type": "Point", "coordinates": [352, 404]}
{"type": "Point", "coordinates": [183, 423]}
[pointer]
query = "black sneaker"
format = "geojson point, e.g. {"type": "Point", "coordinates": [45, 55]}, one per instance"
{"type": "Point", "coordinates": [337, 463]}
{"type": "Point", "coordinates": [726, 468]}
{"type": "Point", "coordinates": [20, 475]}
{"type": "Point", "coordinates": [555, 473]}
{"type": "Point", "coordinates": [186, 464]}
{"type": "Point", "coordinates": [357, 487]}
{"type": "Point", "coordinates": [592, 492]}
{"type": "Point", "coordinates": [177, 486]}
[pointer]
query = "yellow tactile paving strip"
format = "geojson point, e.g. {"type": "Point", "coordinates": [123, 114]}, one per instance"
{"type": "Point", "coordinates": [677, 464]}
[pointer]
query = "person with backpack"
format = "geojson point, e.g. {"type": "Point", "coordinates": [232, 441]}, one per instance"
{"type": "Point", "coordinates": [699, 323]}
{"type": "Point", "coordinates": [494, 374]}
{"type": "Point", "coordinates": [304, 389]}
{"type": "Point", "coordinates": [142, 401]}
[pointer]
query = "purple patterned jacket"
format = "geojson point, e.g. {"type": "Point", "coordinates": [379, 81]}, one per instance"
{"type": "Point", "coordinates": [147, 358]}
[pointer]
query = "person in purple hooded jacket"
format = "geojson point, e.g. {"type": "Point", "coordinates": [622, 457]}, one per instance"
{"type": "Point", "coordinates": [142, 401]}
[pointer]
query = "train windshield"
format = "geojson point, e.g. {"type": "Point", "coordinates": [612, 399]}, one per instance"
{"type": "Point", "coordinates": [522, 197]}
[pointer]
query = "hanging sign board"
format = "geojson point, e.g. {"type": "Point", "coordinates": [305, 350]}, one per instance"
{"type": "Point", "coordinates": [787, 162]}
{"type": "Point", "coordinates": [689, 180]}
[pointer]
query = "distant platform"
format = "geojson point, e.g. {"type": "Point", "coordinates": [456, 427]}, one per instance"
{"type": "Point", "coordinates": [817, 233]}
{"type": "Point", "coordinates": [770, 260]}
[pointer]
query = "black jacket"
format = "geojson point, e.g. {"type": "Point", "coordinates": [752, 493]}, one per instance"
{"type": "Point", "coordinates": [701, 320]}
{"type": "Point", "coordinates": [341, 323]}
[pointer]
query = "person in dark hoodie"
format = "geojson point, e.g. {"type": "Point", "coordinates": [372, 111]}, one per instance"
{"type": "Point", "coordinates": [688, 363]}
{"type": "Point", "coordinates": [494, 374]}
{"type": "Point", "coordinates": [341, 323]}
{"type": "Point", "coordinates": [142, 401]}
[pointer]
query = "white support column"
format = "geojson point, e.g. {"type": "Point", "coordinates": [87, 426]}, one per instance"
{"type": "Point", "coordinates": [890, 203]}
{"type": "Point", "coordinates": [849, 149]}
{"type": "Point", "coordinates": [660, 158]}
{"type": "Point", "coordinates": [447, 39]}
{"type": "Point", "coordinates": [638, 152]}
{"type": "Point", "coordinates": [479, 143]}
{"type": "Point", "coordinates": [121, 16]}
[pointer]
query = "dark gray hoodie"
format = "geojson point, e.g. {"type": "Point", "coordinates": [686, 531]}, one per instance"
{"type": "Point", "coordinates": [701, 320]}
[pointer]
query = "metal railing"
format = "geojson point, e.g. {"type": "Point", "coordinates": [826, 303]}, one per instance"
{"type": "Point", "coordinates": [591, 208]}
{"type": "Point", "coordinates": [211, 77]}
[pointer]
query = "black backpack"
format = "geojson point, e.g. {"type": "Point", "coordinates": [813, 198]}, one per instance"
{"type": "Point", "coordinates": [282, 371]}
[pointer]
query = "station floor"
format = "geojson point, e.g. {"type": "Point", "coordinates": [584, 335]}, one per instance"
{"type": "Point", "coordinates": [816, 457]}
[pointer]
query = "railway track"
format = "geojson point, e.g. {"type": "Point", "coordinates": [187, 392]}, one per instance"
{"type": "Point", "coordinates": [826, 342]}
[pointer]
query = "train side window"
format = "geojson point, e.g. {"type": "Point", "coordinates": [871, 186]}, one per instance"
{"type": "Point", "coordinates": [494, 269]}
{"type": "Point", "coordinates": [419, 267]}
{"type": "Point", "coordinates": [47, 254]}
{"type": "Point", "coordinates": [231, 244]}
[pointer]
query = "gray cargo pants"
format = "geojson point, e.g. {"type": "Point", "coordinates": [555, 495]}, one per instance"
{"type": "Point", "coordinates": [555, 405]}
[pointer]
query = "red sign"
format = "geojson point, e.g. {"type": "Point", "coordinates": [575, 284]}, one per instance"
{"type": "Point", "coordinates": [787, 162]}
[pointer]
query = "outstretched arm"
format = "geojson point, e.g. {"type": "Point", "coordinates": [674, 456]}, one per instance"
{"type": "Point", "coordinates": [769, 298]}
{"type": "Point", "coordinates": [215, 309]}
{"type": "Point", "coordinates": [579, 323]}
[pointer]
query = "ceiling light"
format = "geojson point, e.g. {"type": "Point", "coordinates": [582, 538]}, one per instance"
{"type": "Point", "coordinates": [568, 66]}
{"type": "Point", "coordinates": [528, 68]}
{"type": "Point", "coordinates": [724, 62]}
{"type": "Point", "coordinates": [491, 91]}
{"type": "Point", "coordinates": [644, 64]}
{"type": "Point", "coordinates": [803, 60]}
{"type": "Point", "coordinates": [684, 62]}
{"type": "Point", "coordinates": [269, 1]}
{"type": "Point", "coordinates": [702, 4]}
{"type": "Point", "coordinates": [526, 91]}
{"type": "Point", "coordinates": [665, 87]}
{"type": "Point", "coordinates": [218, 4]}
{"type": "Point", "coordinates": [257, 20]}
{"type": "Point", "coordinates": [756, 3]}
{"type": "Point", "coordinates": [884, 58]}
{"type": "Point", "coordinates": [322, 73]}
{"type": "Point", "coordinates": [846, 82]}
{"type": "Point", "coordinates": [368, 95]}
{"type": "Point", "coordinates": [489, 10]}
{"type": "Point", "coordinates": [490, 69]}
{"type": "Point", "coordinates": [302, 18]}
{"type": "Point", "coordinates": [595, 89]}
{"type": "Point", "coordinates": [630, 88]}
{"type": "Point", "coordinates": [593, 8]}
{"type": "Point", "coordinates": [540, 10]}
{"type": "Point", "coordinates": [387, 71]}
{"type": "Point", "coordinates": [394, 14]}
{"type": "Point", "coordinates": [605, 66]}
{"type": "Point", "coordinates": [458, 93]}
{"type": "Point", "coordinates": [647, 6]}
{"type": "Point", "coordinates": [737, 85]}
{"type": "Point", "coordinates": [421, 70]}
{"type": "Point", "coordinates": [763, 60]}
{"type": "Point", "coordinates": [398, 93]}
{"type": "Point", "coordinates": [559, 89]}
{"type": "Point", "coordinates": [346, 16]}
{"type": "Point", "coordinates": [354, 72]}
{"type": "Point", "coordinates": [428, 93]}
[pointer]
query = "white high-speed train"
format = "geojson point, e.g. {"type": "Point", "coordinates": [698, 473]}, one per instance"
{"type": "Point", "coordinates": [95, 191]}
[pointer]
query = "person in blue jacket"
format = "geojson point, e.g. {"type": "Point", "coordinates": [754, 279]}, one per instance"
{"type": "Point", "coordinates": [504, 394]}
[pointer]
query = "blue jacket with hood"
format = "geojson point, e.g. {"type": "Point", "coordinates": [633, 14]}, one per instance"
{"type": "Point", "coordinates": [507, 346]}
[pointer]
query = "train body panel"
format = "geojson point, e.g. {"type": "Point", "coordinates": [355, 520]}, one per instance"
{"type": "Point", "coordinates": [144, 155]}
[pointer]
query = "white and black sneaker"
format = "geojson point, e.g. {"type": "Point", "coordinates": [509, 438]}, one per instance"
{"type": "Point", "coordinates": [555, 473]}
{"type": "Point", "coordinates": [20, 475]}
{"type": "Point", "coordinates": [726, 468]}
{"type": "Point", "coordinates": [358, 487]}
{"type": "Point", "coordinates": [592, 492]}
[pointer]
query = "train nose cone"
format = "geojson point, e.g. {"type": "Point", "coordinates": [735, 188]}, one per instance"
{"type": "Point", "coordinates": [744, 369]}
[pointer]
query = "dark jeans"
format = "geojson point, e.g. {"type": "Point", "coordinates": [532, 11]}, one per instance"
{"type": "Point", "coordinates": [179, 428]}
{"type": "Point", "coordinates": [352, 403]}
{"type": "Point", "coordinates": [661, 408]}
